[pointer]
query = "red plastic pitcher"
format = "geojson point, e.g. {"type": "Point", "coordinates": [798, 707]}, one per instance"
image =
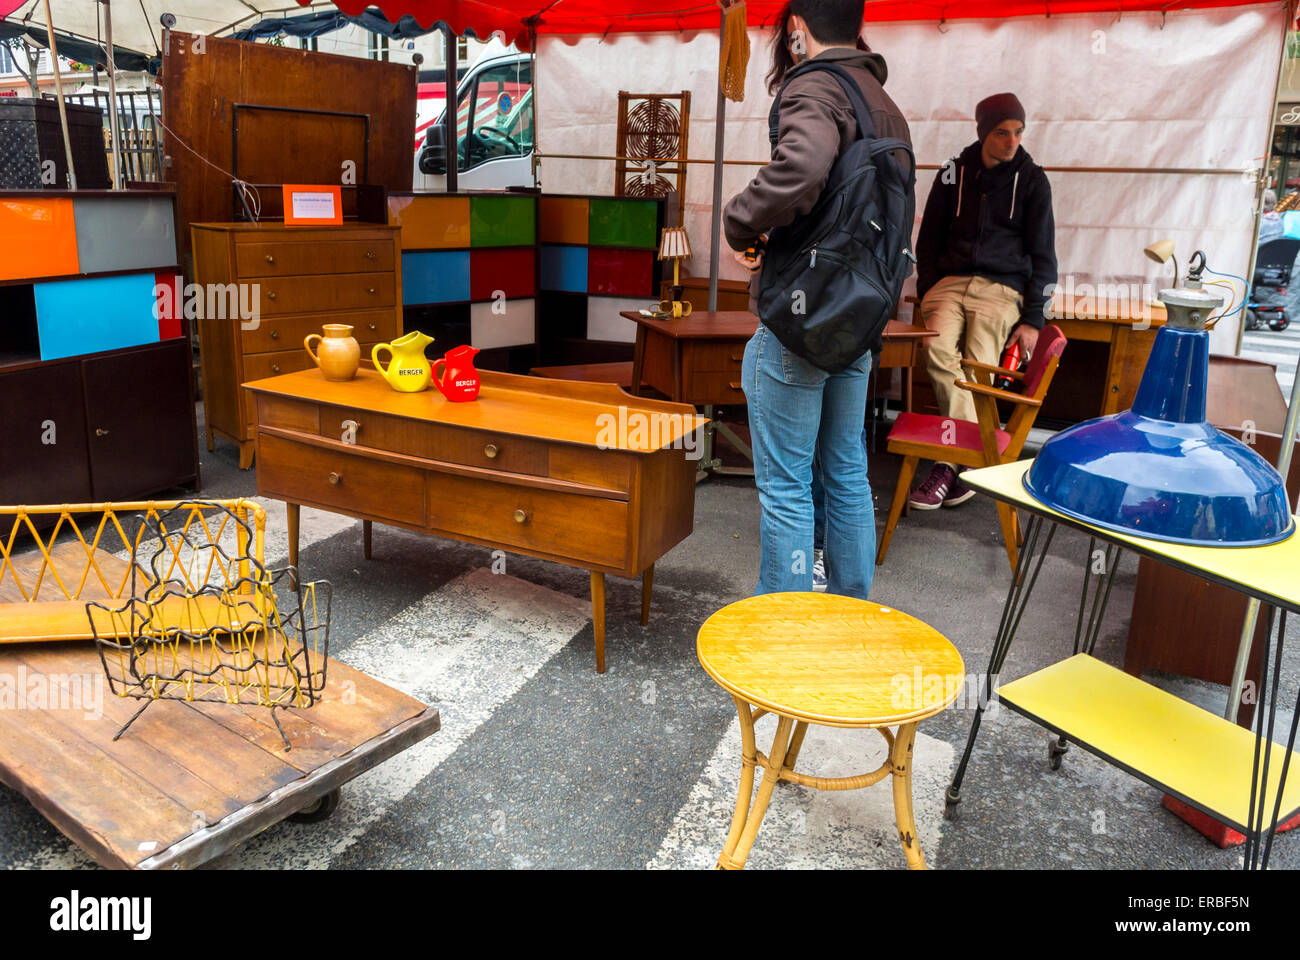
{"type": "Point", "coordinates": [457, 379]}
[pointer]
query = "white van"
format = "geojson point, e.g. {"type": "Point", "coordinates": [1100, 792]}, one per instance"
{"type": "Point", "coordinates": [494, 130]}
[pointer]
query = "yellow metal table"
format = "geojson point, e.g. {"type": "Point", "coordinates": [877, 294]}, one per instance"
{"type": "Point", "coordinates": [1230, 773]}
{"type": "Point", "coordinates": [813, 658]}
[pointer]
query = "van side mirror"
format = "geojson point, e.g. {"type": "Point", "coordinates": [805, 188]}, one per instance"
{"type": "Point", "coordinates": [433, 155]}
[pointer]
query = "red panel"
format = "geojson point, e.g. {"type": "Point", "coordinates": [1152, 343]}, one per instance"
{"type": "Point", "coordinates": [625, 273]}
{"type": "Point", "coordinates": [511, 271]}
{"type": "Point", "coordinates": [169, 293]}
{"type": "Point", "coordinates": [648, 16]}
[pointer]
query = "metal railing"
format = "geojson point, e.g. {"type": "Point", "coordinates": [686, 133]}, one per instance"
{"type": "Point", "coordinates": [139, 113]}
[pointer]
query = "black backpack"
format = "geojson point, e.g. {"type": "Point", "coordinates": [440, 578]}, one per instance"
{"type": "Point", "coordinates": [832, 278]}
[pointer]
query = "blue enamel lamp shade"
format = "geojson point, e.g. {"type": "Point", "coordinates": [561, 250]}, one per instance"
{"type": "Point", "coordinates": [1160, 470]}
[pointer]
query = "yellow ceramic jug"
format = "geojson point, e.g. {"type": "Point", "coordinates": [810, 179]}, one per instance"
{"type": "Point", "coordinates": [408, 369]}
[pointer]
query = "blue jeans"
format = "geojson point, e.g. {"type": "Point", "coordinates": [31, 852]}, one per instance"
{"type": "Point", "coordinates": [819, 499]}
{"type": "Point", "coordinates": [795, 409]}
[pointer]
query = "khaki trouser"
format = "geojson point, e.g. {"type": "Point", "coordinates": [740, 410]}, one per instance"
{"type": "Point", "coordinates": [973, 318]}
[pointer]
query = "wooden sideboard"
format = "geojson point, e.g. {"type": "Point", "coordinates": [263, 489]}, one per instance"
{"type": "Point", "coordinates": [533, 466]}
{"type": "Point", "coordinates": [300, 279]}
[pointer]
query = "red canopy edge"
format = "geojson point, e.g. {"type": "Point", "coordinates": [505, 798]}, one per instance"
{"type": "Point", "coordinates": [512, 17]}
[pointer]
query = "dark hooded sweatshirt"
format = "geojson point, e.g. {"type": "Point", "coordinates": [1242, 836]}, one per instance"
{"type": "Point", "coordinates": [817, 123]}
{"type": "Point", "coordinates": [994, 223]}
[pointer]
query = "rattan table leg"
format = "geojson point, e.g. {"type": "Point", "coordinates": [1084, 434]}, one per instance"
{"type": "Point", "coordinates": [901, 760]}
{"type": "Point", "coordinates": [747, 818]}
{"type": "Point", "coordinates": [796, 744]}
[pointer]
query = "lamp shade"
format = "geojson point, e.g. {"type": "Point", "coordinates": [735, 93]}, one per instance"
{"type": "Point", "coordinates": [1160, 470]}
{"type": "Point", "coordinates": [674, 244]}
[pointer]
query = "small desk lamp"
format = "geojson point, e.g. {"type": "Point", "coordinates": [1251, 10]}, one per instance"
{"type": "Point", "coordinates": [675, 245]}
{"type": "Point", "coordinates": [1160, 470]}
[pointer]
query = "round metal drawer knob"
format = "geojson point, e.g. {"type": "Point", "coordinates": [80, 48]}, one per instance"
{"type": "Point", "coordinates": [370, 289]}
{"type": "Point", "coordinates": [371, 325]}
{"type": "Point", "coordinates": [270, 259]}
{"type": "Point", "coordinates": [101, 432]}
{"type": "Point", "coordinates": [490, 451]}
{"type": "Point", "coordinates": [335, 478]}
{"type": "Point", "coordinates": [520, 516]}
{"type": "Point", "coordinates": [271, 295]}
{"type": "Point", "coordinates": [369, 255]}
{"type": "Point", "coordinates": [275, 368]}
{"type": "Point", "coordinates": [275, 334]}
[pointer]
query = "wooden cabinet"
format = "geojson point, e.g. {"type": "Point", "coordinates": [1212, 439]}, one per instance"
{"type": "Point", "coordinates": [95, 353]}
{"type": "Point", "coordinates": [532, 466]}
{"type": "Point", "coordinates": [294, 280]}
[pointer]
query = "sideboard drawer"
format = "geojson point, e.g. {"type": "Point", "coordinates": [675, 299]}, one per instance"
{"type": "Point", "coordinates": [333, 478]}
{"type": "Point", "coordinates": [716, 387]}
{"type": "Point", "coordinates": [349, 291]}
{"type": "Point", "coordinates": [259, 366]}
{"type": "Point", "coordinates": [494, 451]}
{"type": "Point", "coordinates": [588, 529]}
{"type": "Point", "coordinates": [285, 258]}
{"type": "Point", "coordinates": [721, 357]}
{"type": "Point", "coordinates": [283, 332]}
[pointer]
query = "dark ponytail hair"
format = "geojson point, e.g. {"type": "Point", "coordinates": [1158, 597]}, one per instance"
{"type": "Point", "coordinates": [782, 59]}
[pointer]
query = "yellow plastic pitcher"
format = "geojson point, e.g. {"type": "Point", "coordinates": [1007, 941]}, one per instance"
{"type": "Point", "coordinates": [408, 369]}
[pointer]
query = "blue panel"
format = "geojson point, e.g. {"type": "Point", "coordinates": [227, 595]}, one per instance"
{"type": "Point", "coordinates": [437, 276]}
{"type": "Point", "coordinates": [99, 313]}
{"type": "Point", "coordinates": [564, 268]}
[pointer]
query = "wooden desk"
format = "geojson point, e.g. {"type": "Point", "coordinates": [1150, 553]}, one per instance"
{"type": "Point", "coordinates": [534, 466]}
{"type": "Point", "coordinates": [1079, 391]}
{"type": "Point", "coordinates": [697, 360]}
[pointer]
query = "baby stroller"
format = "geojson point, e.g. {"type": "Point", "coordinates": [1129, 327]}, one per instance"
{"type": "Point", "coordinates": [1267, 301]}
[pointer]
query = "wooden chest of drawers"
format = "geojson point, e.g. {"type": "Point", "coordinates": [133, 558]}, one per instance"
{"type": "Point", "coordinates": [299, 279]}
{"type": "Point", "coordinates": [578, 473]}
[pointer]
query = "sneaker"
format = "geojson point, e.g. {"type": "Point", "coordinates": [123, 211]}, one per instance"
{"type": "Point", "coordinates": [958, 493]}
{"type": "Point", "coordinates": [933, 491]}
{"type": "Point", "coordinates": [819, 570]}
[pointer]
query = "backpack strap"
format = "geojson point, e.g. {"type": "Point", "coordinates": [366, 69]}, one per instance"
{"type": "Point", "coordinates": [866, 130]}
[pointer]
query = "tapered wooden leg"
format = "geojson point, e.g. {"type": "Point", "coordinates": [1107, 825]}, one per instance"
{"type": "Point", "coordinates": [901, 493]}
{"type": "Point", "coordinates": [734, 857]}
{"type": "Point", "coordinates": [1010, 533]}
{"type": "Point", "coordinates": [901, 760]}
{"type": "Point", "coordinates": [365, 538]}
{"type": "Point", "coordinates": [647, 584]}
{"type": "Point", "coordinates": [211, 441]}
{"type": "Point", "coordinates": [246, 450]}
{"type": "Point", "coordinates": [598, 617]}
{"type": "Point", "coordinates": [291, 511]}
{"type": "Point", "coordinates": [796, 744]}
{"type": "Point", "coordinates": [748, 759]}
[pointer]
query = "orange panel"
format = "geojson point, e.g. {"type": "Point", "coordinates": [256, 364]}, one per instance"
{"type": "Point", "coordinates": [431, 222]}
{"type": "Point", "coordinates": [38, 238]}
{"type": "Point", "coordinates": [563, 220]}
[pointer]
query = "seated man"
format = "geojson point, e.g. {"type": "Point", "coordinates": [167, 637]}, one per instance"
{"type": "Point", "coordinates": [986, 265]}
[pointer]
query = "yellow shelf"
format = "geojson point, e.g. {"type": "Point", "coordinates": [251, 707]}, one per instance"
{"type": "Point", "coordinates": [1198, 757]}
{"type": "Point", "coordinates": [1268, 573]}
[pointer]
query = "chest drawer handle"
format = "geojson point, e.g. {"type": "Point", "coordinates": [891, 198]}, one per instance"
{"type": "Point", "coordinates": [521, 516]}
{"type": "Point", "coordinates": [370, 289]}
{"type": "Point", "coordinates": [369, 255]}
{"type": "Point", "coordinates": [370, 325]}
{"type": "Point", "coordinates": [336, 478]}
{"type": "Point", "coordinates": [733, 384]}
{"type": "Point", "coordinates": [101, 432]}
{"type": "Point", "coordinates": [271, 295]}
{"type": "Point", "coordinates": [490, 451]}
{"type": "Point", "coordinates": [275, 334]}
{"type": "Point", "coordinates": [275, 368]}
{"type": "Point", "coordinates": [270, 259]}
{"type": "Point", "coordinates": [736, 358]}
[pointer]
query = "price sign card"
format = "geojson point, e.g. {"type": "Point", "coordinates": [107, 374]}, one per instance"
{"type": "Point", "coordinates": [312, 204]}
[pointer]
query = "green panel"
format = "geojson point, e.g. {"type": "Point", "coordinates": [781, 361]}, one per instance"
{"type": "Point", "coordinates": [502, 221]}
{"type": "Point", "coordinates": [616, 222]}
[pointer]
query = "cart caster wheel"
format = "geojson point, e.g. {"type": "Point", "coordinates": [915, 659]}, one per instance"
{"type": "Point", "coordinates": [952, 811]}
{"type": "Point", "coordinates": [320, 809]}
{"type": "Point", "coordinates": [1056, 752]}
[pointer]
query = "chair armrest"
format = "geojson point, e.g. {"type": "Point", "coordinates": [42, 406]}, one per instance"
{"type": "Point", "coordinates": [1002, 371]}
{"type": "Point", "coordinates": [997, 394]}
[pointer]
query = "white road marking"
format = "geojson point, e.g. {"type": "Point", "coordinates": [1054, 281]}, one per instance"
{"type": "Point", "coordinates": [467, 648]}
{"type": "Point", "coordinates": [806, 828]}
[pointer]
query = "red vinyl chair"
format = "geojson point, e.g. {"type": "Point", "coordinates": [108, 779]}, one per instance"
{"type": "Point", "coordinates": [984, 443]}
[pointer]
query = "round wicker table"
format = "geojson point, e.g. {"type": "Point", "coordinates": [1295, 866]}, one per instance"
{"type": "Point", "coordinates": [812, 658]}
